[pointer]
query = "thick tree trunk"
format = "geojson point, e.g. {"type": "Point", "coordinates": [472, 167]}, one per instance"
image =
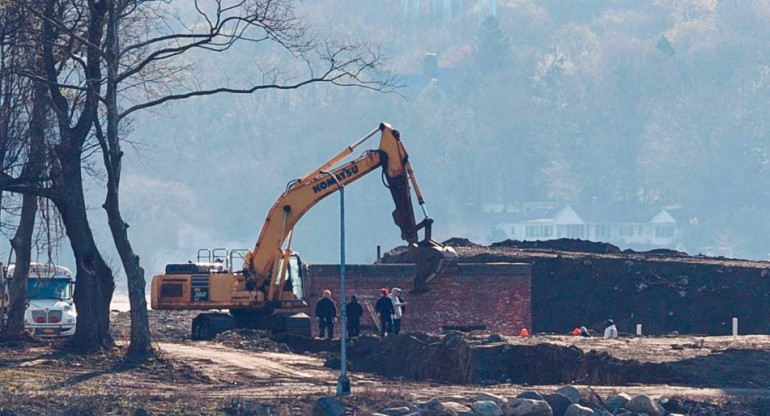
{"type": "Point", "coordinates": [95, 283]}
{"type": "Point", "coordinates": [141, 345]}
{"type": "Point", "coordinates": [22, 245]}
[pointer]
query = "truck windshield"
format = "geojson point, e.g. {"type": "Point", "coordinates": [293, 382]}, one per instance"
{"type": "Point", "coordinates": [49, 289]}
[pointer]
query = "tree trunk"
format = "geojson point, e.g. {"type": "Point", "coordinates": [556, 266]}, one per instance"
{"type": "Point", "coordinates": [22, 240]}
{"type": "Point", "coordinates": [94, 281]}
{"type": "Point", "coordinates": [22, 245]}
{"type": "Point", "coordinates": [141, 345]}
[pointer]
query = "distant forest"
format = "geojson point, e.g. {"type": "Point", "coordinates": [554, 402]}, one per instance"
{"type": "Point", "coordinates": [661, 103]}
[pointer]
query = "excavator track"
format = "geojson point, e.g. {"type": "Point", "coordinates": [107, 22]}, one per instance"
{"type": "Point", "coordinates": [206, 326]}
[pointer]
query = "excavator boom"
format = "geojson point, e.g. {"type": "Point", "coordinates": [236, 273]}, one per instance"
{"type": "Point", "coordinates": [271, 280]}
{"type": "Point", "coordinates": [304, 193]}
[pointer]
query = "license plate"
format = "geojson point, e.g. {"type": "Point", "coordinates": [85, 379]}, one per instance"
{"type": "Point", "coordinates": [49, 331]}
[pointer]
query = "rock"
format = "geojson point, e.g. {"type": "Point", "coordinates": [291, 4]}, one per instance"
{"type": "Point", "coordinates": [527, 407]}
{"type": "Point", "coordinates": [328, 406]}
{"type": "Point", "coordinates": [494, 338]}
{"type": "Point", "coordinates": [578, 410]}
{"type": "Point", "coordinates": [487, 408]}
{"type": "Point", "coordinates": [396, 411]}
{"type": "Point", "coordinates": [616, 402]}
{"type": "Point", "coordinates": [529, 394]}
{"type": "Point", "coordinates": [483, 396]}
{"type": "Point", "coordinates": [558, 402]}
{"type": "Point", "coordinates": [598, 409]}
{"type": "Point", "coordinates": [625, 412]}
{"type": "Point", "coordinates": [141, 412]}
{"type": "Point", "coordinates": [432, 407]}
{"type": "Point", "coordinates": [571, 392]}
{"type": "Point", "coordinates": [643, 404]}
{"type": "Point", "coordinates": [456, 409]}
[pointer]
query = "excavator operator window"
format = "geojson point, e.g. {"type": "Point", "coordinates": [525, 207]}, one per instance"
{"type": "Point", "coordinates": [295, 273]}
{"type": "Point", "coordinates": [294, 280]}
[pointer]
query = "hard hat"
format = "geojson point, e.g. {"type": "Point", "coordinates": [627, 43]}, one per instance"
{"type": "Point", "coordinates": [576, 331]}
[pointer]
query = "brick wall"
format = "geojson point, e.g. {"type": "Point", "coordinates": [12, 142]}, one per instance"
{"type": "Point", "coordinates": [495, 296]}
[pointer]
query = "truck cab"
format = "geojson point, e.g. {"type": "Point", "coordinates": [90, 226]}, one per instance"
{"type": "Point", "coordinates": [50, 308]}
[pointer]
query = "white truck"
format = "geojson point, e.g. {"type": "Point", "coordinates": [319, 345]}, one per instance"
{"type": "Point", "coordinates": [50, 309]}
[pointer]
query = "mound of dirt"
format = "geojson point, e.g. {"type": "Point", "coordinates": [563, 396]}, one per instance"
{"type": "Point", "coordinates": [460, 242]}
{"type": "Point", "coordinates": [562, 244]}
{"type": "Point", "coordinates": [165, 326]}
{"type": "Point", "coordinates": [251, 340]}
{"type": "Point", "coordinates": [484, 358]}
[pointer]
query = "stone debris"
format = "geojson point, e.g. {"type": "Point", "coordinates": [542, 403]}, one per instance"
{"type": "Point", "coordinates": [328, 406]}
{"type": "Point", "coordinates": [487, 404]}
{"type": "Point", "coordinates": [570, 392]}
{"type": "Point", "coordinates": [527, 407]}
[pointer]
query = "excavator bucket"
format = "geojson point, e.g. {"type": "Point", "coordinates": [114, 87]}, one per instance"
{"type": "Point", "coordinates": [433, 261]}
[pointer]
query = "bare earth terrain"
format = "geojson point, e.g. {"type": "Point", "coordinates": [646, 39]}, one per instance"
{"type": "Point", "coordinates": [206, 377]}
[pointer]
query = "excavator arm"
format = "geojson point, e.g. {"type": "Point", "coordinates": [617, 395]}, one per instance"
{"type": "Point", "coordinates": [262, 263]}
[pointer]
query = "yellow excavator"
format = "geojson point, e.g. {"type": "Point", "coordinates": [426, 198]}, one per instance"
{"type": "Point", "coordinates": [269, 292]}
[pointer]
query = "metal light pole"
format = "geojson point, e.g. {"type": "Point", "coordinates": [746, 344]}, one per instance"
{"type": "Point", "coordinates": [343, 383]}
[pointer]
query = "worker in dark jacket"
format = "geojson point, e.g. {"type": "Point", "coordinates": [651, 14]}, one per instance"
{"type": "Point", "coordinates": [326, 314]}
{"type": "Point", "coordinates": [354, 311]}
{"type": "Point", "coordinates": [384, 309]}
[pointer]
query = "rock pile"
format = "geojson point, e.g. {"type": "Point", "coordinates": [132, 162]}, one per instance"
{"type": "Point", "coordinates": [251, 340]}
{"type": "Point", "coordinates": [566, 401]}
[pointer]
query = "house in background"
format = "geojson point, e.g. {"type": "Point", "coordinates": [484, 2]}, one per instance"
{"type": "Point", "coordinates": [626, 226]}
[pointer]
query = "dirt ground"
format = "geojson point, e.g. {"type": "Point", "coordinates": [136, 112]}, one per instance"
{"type": "Point", "coordinates": [206, 377]}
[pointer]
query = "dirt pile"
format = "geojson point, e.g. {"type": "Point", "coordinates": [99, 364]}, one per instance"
{"type": "Point", "coordinates": [165, 326]}
{"type": "Point", "coordinates": [251, 340]}
{"type": "Point", "coordinates": [582, 283]}
{"type": "Point", "coordinates": [486, 358]}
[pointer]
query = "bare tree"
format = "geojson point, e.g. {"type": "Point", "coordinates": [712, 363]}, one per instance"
{"type": "Point", "coordinates": [21, 145]}
{"type": "Point", "coordinates": [138, 61]}
{"type": "Point", "coordinates": [142, 57]}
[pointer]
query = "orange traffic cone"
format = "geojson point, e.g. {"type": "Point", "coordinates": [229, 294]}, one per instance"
{"type": "Point", "coordinates": [524, 332]}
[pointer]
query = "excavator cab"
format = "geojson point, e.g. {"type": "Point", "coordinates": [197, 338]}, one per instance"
{"type": "Point", "coordinates": [294, 281]}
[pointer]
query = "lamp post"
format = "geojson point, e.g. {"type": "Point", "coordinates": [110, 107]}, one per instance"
{"type": "Point", "coordinates": [343, 383]}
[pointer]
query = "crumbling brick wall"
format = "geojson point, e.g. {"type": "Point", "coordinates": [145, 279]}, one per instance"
{"type": "Point", "coordinates": [493, 296]}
